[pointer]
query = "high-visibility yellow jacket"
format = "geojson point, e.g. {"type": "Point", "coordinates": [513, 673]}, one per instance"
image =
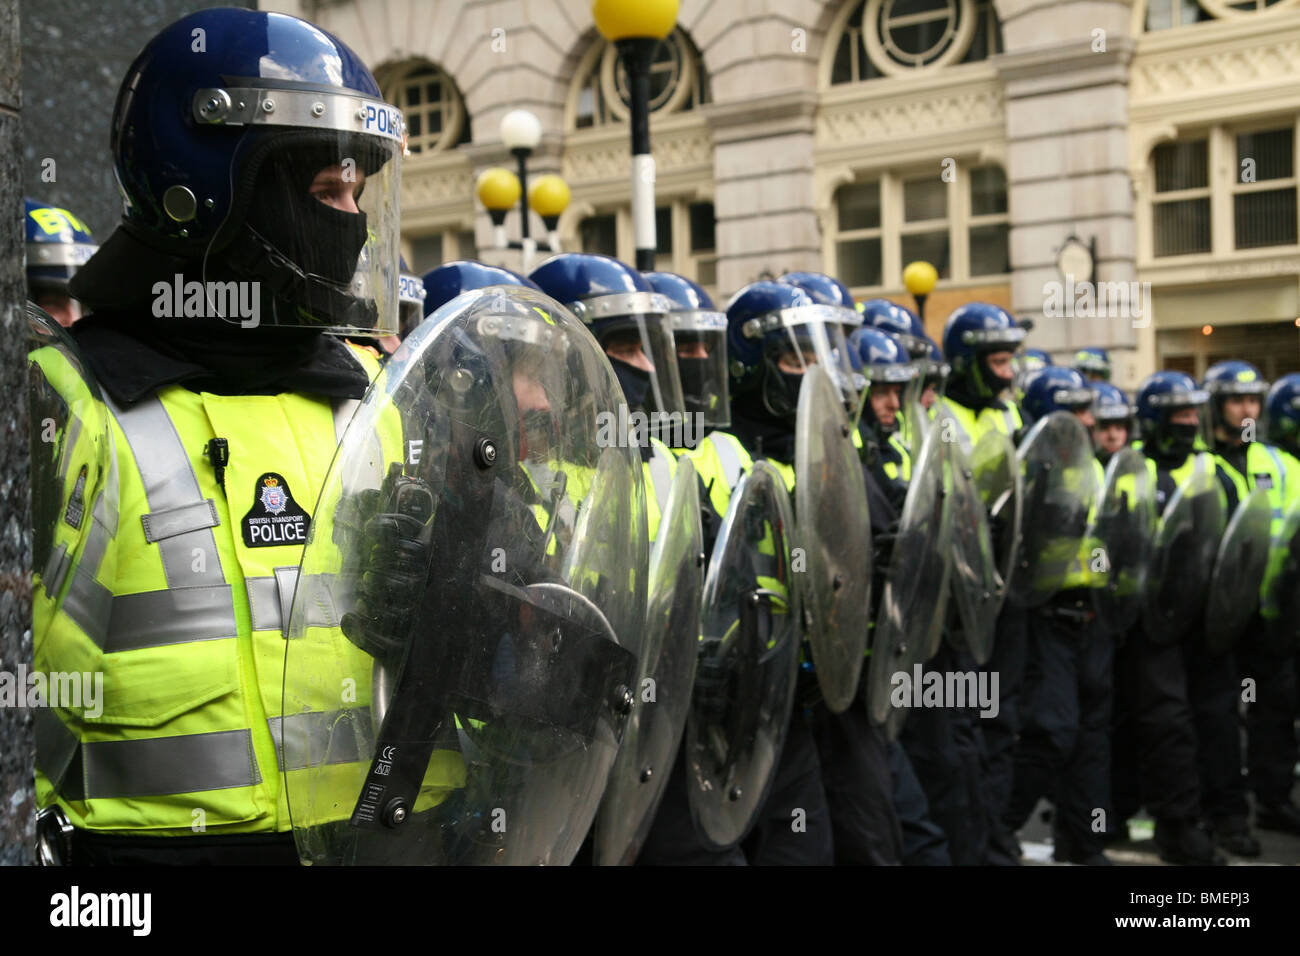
{"type": "Point", "coordinates": [180, 602]}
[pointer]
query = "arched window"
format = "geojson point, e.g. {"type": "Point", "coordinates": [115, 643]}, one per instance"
{"type": "Point", "coordinates": [433, 107]}
{"type": "Point", "coordinates": [599, 94]}
{"type": "Point", "coordinates": [897, 37]}
{"type": "Point", "coordinates": [1166, 14]}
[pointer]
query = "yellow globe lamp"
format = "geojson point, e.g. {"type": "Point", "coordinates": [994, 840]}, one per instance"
{"type": "Point", "coordinates": [920, 277]}
{"type": "Point", "coordinates": [549, 196]}
{"type": "Point", "coordinates": [634, 19]}
{"type": "Point", "coordinates": [498, 190]}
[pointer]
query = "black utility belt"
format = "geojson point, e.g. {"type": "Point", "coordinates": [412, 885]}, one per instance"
{"type": "Point", "coordinates": [1073, 606]}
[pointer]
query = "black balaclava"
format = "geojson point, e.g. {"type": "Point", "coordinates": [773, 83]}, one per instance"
{"type": "Point", "coordinates": [635, 383]}
{"type": "Point", "coordinates": [965, 388]}
{"type": "Point", "coordinates": [1172, 443]}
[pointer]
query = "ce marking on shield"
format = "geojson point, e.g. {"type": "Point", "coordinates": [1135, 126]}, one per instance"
{"type": "Point", "coordinates": [384, 767]}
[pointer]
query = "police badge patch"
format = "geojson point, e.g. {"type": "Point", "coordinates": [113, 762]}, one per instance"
{"type": "Point", "coordinates": [77, 501]}
{"type": "Point", "coordinates": [1263, 480]}
{"type": "Point", "coordinates": [275, 518]}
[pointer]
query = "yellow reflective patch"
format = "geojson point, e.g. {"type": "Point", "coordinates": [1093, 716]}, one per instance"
{"type": "Point", "coordinates": [53, 220]}
{"type": "Point", "coordinates": [1246, 375]}
{"type": "Point", "coordinates": [544, 314]}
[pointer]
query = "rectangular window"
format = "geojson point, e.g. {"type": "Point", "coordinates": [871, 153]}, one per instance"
{"type": "Point", "coordinates": [599, 234]}
{"type": "Point", "coordinates": [1264, 191]}
{"type": "Point", "coordinates": [1180, 212]}
{"type": "Point", "coordinates": [703, 227]}
{"type": "Point", "coordinates": [990, 250]}
{"type": "Point", "coordinates": [859, 262]}
{"type": "Point", "coordinates": [664, 231]}
{"type": "Point", "coordinates": [859, 206]}
{"type": "Point", "coordinates": [932, 247]}
{"type": "Point", "coordinates": [925, 199]}
{"type": "Point", "coordinates": [426, 253]}
{"type": "Point", "coordinates": [466, 245]}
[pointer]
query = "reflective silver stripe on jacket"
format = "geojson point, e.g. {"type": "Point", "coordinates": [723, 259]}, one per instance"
{"type": "Point", "coordinates": [160, 765]}
{"type": "Point", "coordinates": [315, 738]}
{"type": "Point", "coordinates": [661, 473]}
{"type": "Point", "coordinates": [270, 599]}
{"type": "Point", "coordinates": [733, 466]}
{"type": "Point", "coordinates": [88, 603]}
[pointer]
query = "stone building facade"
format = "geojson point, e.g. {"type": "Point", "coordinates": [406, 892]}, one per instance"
{"type": "Point", "coordinates": [852, 136]}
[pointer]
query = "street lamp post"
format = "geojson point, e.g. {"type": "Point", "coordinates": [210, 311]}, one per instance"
{"type": "Point", "coordinates": [920, 278]}
{"type": "Point", "coordinates": [498, 190]}
{"type": "Point", "coordinates": [549, 197]}
{"type": "Point", "coordinates": [635, 27]}
{"type": "Point", "coordinates": [521, 131]}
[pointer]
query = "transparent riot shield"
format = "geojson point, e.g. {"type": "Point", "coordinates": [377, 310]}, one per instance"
{"type": "Point", "coordinates": [749, 658]}
{"type": "Point", "coordinates": [1279, 599]}
{"type": "Point", "coordinates": [1120, 537]}
{"type": "Point", "coordinates": [913, 600]}
{"type": "Point", "coordinates": [457, 668]}
{"type": "Point", "coordinates": [996, 473]}
{"type": "Point", "coordinates": [669, 647]}
{"type": "Point", "coordinates": [1238, 572]}
{"type": "Point", "coordinates": [74, 516]}
{"type": "Point", "coordinates": [1059, 481]}
{"type": "Point", "coordinates": [835, 533]}
{"type": "Point", "coordinates": [974, 579]}
{"type": "Point", "coordinates": [1182, 560]}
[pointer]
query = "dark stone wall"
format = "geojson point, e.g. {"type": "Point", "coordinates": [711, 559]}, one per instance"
{"type": "Point", "coordinates": [74, 55]}
{"type": "Point", "coordinates": [17, 802]}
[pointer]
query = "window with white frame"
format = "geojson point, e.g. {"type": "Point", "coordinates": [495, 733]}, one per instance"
{"type": "Point", "coordinates": [960, 225]}
{"type": "Point", "coordinates": [1166, 14]}
{"type": "Point", "coordinates": [890, 37]}
{"type": "Point", "coordinates": [430, 103]}
{"type": "Point", "coordinates": [677, 82]}
{"type": "Point", "coordinates": [1224, 190]}
{"type": "Point", "coordinates": [685, 233]}
{"type": "Point", "coordinates": [426, 252]}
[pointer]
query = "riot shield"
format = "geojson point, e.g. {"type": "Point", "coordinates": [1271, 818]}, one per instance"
{"type": "Point", "coordinates": [913, 600]}
{"type": "Point", "coordinates": [973, 581]}
{"type": "Point", "coordinates": [73, 468]}
{"type": "Point", "coordinates": [666, 673]}
{"type": "Point", "coordinates": [996, 473]}
{"type": "Point", "coordinates": [1059, 476]}
{"type": "Point", "coordinates": [1279, 599]}
{"type": "Point", "coordinates": [1120, 538]}
{"type": "Point", "coordinates": [1182, 559]}
{"type": "Point", "coordinates": [457, 666]}
{"type": "Point", "coordinates": [834, 530]}
{"type": "Point", "coordinates": [1238, 572]}
{"type": "Point", "coordinates": [748, 661]}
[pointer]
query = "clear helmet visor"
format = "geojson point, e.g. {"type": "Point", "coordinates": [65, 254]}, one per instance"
{"type": "Point", "coordinates": [635, 330]}
{"type": "Point", "coordinates": [798, 337]}
{"type": "Point", "coordinates": [318, 244]}
{"type": "Point", "coordinates": [701, 341]}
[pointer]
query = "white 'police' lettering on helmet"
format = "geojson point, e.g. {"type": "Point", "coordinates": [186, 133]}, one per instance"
{"type": "Point", "coordinates": [381, 118]}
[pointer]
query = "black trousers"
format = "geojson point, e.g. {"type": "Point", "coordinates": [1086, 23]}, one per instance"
{"type": "Point", "coordinates": [859, 786]}
{"type": "Point", "coordinates": [1125, 768]}
{"type": "Point", "coordinates": [1001, 730]}
{"type": "Point", "coordinates": [1214, 685]}
{"type": "Point", "coordinates": [1064, 747]}
{"type": "Point", "coordinates": [924, 843]}
{"type": "Point", "coordinates": [251, 849]}
{"type": "Point", "coordinates": [673, 839]}
{"type": "Point", "coordinates": [1270, 722]}
{"type": "Point", "coordinates": [794, 826]}
{"type": "Point", "coordinates": [945, 749]}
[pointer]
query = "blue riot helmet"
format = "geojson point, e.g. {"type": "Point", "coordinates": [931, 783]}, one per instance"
{"type": "Point", "coordinates": [629, 320]}
{"type": "Point", "coordinates": [1282, 413]}
{"type": "Point", "coordinates": [896, 321]}
{"type": "Point", "coordinates": [450, 279]}
{"type": "Point", "coordinates": [700, 335]}
{"type": "Point", "coordinates": [1159, 399]}
{"type": "Point", "coordinates": [58, 244]}
{"type": "Point", "coordinates": [1110, 405]}
{"type": "Point", "coordinates": [267, 159]}
{"type": "Point", "coordinates": [774, 332]}
{"type": "Point", "coordinates": [410, 297]}
{"type": "Point", "coordinates": [827, 290]}
{"type": "Point", "coordinates": [1231, 379]}
{"type": "Point", "coordinates": [972, 333]}
{"type": "Point", "coordinates": [884, 365]}
{"type": "Point", "coordinates": [1093, 364]}
{"type": "Point", "coordinates": [1031, 360]}
{"type": "Point", "coordinates": [1055, 389]}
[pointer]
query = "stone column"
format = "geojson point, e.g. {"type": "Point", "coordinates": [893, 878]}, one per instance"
{"type": "Point", "coordinates": [1066, 75]}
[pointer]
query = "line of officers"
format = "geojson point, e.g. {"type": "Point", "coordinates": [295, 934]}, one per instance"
{"type": "Point", "coordinates": [1081, 583]}
{"type": "Point", "coordinates": [579, 567]}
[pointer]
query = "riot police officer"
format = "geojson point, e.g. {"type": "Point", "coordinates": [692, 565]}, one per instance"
{"type": "Point", "coordinates": [1182, 697]}
{"type": "Point", "coordinates": [208, 307]}
{"type": "Point", "coordinates": [979, 340]}
{"type": "Point", "coordinates": [1114, 420]}
{"type": "Point", "coordinates": [1236, 392]}
{"type": "Point", "coordinates": [1063, 749]}
{"type": "Point", "coordinates": [58, 244]}
{"type": "Point", "coordinates": [1093, 364]}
